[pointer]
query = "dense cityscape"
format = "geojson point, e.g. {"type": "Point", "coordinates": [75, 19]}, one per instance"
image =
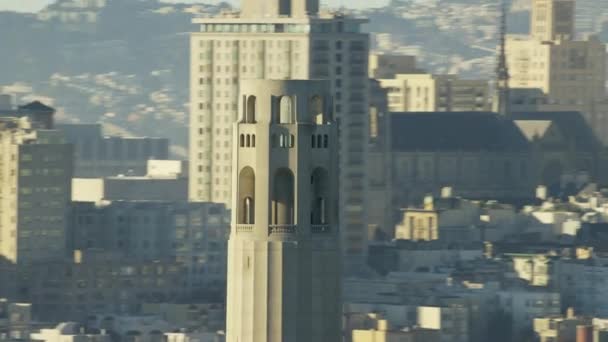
{"type": "Point", "coordinates": [284, 171]}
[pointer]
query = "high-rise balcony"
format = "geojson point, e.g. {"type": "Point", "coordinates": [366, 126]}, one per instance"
{"type": "Point", "coordinates": [244, 228]}
{"type": "Point", "coordinates": [282, 229]}
{"type": "Point", "coordinates": [320, 228]}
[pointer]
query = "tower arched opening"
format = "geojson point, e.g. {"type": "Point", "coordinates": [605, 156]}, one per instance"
{"type": "Point", "coordinates": [246, 196]}
{"type": "Point", "coordinates": [283, 198]}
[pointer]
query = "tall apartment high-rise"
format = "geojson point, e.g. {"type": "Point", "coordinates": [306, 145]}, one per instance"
{"type": "Point", "coordinates": [286, 39]}
{"type": "Point", "coordinates": [283, 252]}
{"type": "Point", "coordinates": [552, 71]}
{"type": "Point", "coordinates": [552, 20]}
{"type": "Point", "coordinates": [35, 177]}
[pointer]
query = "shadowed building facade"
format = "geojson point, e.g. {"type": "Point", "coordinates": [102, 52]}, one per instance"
{"type": "Point", "coordinates": [283, 251]}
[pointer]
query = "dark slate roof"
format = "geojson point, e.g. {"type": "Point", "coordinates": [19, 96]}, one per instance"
{"type": "Point", "coordinates": [571, 124]}
{"type": "Point", "coordinates": [36, 106]}
{"type": "Point", "coordinates": [455, 131]}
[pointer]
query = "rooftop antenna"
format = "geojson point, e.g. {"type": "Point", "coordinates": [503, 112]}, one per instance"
{"type": "Point", "coordinates": [501, 100]}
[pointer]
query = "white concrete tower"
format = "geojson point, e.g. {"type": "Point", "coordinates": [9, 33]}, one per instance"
{"type": "Point", "coordinates": [262, 43]}
{"type": "Point", "coordinates": [283, 252]}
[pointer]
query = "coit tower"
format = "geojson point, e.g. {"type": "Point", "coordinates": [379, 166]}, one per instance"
{"type": "Point", "coordinates": [283, 252]}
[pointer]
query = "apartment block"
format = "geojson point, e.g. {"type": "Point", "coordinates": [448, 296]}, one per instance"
{"type": "Point", "coordinates": [435, 93]}
{"type": "Point", "coordinates": [35, 172]}
{"type": "Point", "coordinates": [191, 234]}
{"type": "Point", "coordinates": [551, 70]}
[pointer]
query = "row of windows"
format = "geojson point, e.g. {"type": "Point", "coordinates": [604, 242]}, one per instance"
{"type": "Point", "coordinates": [339, 27]}
{"type": "Point", "coordinates": [247, 140]}
{"type": "Point", "coordinates": [283, 140]}
{"type": "Point", "coordinates": [320, 141]}
{"type": "Point", "coordinates": [247, 43]}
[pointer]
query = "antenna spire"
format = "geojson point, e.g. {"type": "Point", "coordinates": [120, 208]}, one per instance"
{"type": "Point", "coordinates": [501, 100]}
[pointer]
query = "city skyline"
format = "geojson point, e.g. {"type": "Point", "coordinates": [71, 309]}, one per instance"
{"type": "Point", "coordinates": [36, 5]}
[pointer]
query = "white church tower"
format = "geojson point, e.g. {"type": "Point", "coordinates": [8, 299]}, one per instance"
{"type": "Point", "coordinates": [283, 252]}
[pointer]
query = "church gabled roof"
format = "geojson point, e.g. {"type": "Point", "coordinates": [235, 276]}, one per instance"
{"type": "Point", "coordinates": [455, 131]}
{"type": "Point", "coordinates": [571, 125]}
{"type": "Point", "coordinates": [534, 129]}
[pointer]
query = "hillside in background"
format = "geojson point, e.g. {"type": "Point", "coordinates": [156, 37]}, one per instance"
{"type": "Point", "coordinates": [124, 63]}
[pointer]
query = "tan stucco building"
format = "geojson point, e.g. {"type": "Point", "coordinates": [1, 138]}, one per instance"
{"type": "Point", "coordinates": [435, 93]}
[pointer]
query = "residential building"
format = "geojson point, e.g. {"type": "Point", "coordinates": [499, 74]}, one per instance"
{"type": "Point", "coordinates": [423, 92]}
{"type": "Point", "coordinates": [536, 269]}
{"type": "Point", "coordinates": [272, 39]}
{"type": "Point", "coordinates": [70, 332]}
{"type": "Point", "coordinates": [581, 284]}
{"type": "Point", "coordinates": [15, 320]}
{"type": "Point", "coordinates": [98, 283]}
{"type": "Point", "coordinates": [195, 337]}
{"type": "Point", "coordinates": [384, 333]}
{"type": "Point", "coordinates": [552, 71]}
{"type": "Point", "coordinates": [124, 327]}
{"type": "Point", "coordinates": [97, 155]}
{"type": "Point", "coordinates": [560, 328]}
{"type": "Point", "coordinates": [165, 180]}
{"type": "Point", "coordinates": [191, 234]}
{"type": "Point", "coordinates": [451, 322]}
{"type": "Point", "coordinates": [524, 305]}
{"type": "Point", "coordinates": [35, 172]}
{"type": "Point", "coordinates": [283, 250]}
{"type": "Point", "coordinates": [201, 317]}
{"type": "Point", "coordinates": [385, 66]}
{"type": "Point", "coordinates": [418, 225]}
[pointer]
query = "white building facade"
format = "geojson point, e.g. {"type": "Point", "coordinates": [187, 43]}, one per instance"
{"type": "Point", "coordinates": [283, 253]}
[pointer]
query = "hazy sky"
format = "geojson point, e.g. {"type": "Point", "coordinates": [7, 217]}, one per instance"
{"type": "Point", "coordinates": [35, 5]}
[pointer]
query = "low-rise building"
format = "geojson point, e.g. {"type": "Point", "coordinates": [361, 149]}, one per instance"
{"type": "Point", "coordinates": [70, 332]}
{"type": "Point", "coordinates": [15, 320]}
{"type": "Point", "coordinates": [523, 305]}
{"type": "Point", "coordinates": [191, 234]}
{"type": "Point", "coordinates": [98, 156]}
{"type": "Point", "coordinates": [452, 322]}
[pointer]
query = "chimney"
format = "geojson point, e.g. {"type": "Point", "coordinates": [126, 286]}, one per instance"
{"type": "Point", "coordinates": [584, 333]}
{"type": "Point", "coordinates": [541, 192]}
{"type": "Point", "coordinates": [570, 313]}
{"type": "Point", "coordinates": [447, 192]}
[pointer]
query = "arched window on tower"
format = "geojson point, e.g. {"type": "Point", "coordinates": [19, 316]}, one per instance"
{"type": "Point", "coordinates": [316, 110]}
{"type": "Point", "coordinates": [286, 110]}
{"type": "Point", "coordinates": [283, 198]}
{"type": "Point", "coordinates": [250, 110]}
{"type": "Point", "coordinates": [319, 180]}
{"type": "Point", "coordinates": [246, 196]}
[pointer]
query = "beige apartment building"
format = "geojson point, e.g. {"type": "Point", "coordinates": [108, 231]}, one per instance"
{"type": "Point", "coordinates": [383, 66]}
{"type": "Point", "coordinates": [551, 71]}
{"type": "Point", "coordinates": [271, 39]}
{"type": "Point", "coordinates": [35, 172]}
{"type": "Point", "coordinates": [435, 93]}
